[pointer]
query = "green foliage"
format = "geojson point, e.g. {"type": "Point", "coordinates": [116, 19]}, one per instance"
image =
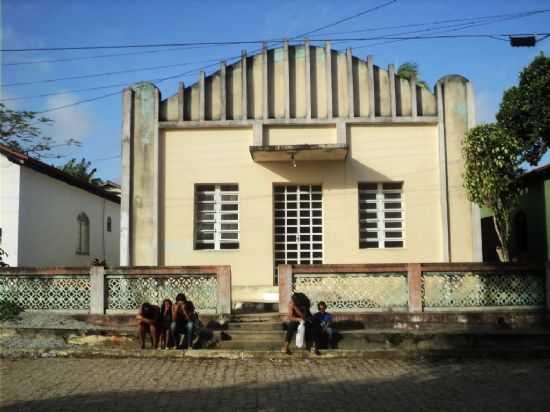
{"type": "Point", "coordinates": [409, 70]}
{"type": "Point", "coordinates": [492, 167]}
{"type": "Point", "coordinates": [21, 131]}
{"type": "Point", "coordinates": [82, 170]}
{"type": "Point", "coordinates": [525, 109]}
{"type": "Point", "coordinates": [9, 310]}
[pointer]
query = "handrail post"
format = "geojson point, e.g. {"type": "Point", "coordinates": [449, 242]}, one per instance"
{"type": "Point", "coordinates": [285, 287]}
{"type": "Point", "coordinates": [223, 306]}
{"type": "Point", "coordinates": [97, 290]}
{"type": "Point", "coordinates": [414, 277]}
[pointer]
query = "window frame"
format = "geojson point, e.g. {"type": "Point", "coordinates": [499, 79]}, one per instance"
{"type": "Point", "coordinates": [83, 247]}
{"type": "Point", "coordinates": [218, 212]}
{"type": "Point", "coordinates": [314, 224]}
{"type": "Point", "coordinates": [381, 209]}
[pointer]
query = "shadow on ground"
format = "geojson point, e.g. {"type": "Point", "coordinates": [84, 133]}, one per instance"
{"type": "Point", "coordinates": [334, 385]}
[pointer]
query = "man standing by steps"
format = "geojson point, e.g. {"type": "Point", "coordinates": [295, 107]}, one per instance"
{"type": "Point", "coordinates": [298, 312]}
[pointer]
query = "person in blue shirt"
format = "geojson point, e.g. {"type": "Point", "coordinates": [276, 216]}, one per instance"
{"type": "Point", "coordinates": [323, 320]}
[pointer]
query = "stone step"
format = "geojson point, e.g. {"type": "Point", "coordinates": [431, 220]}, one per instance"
{"type": "Point", "coordinates": [270, 345]}
{"type": "Point", "coordinates": [256, 317]}
{"type": "Point", "coordinates": [249, 335]}
{"type": "Point", "coordinates": [253, 326]}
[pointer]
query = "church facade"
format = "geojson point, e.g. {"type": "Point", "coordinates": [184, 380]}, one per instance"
{"type": "Point", "coordinates": [298, 154]}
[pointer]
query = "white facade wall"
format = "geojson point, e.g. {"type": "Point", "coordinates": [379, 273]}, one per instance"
{"type": "Point", "coordinates": [39, 220]}
{"type": "Point", "coordinates": [9, 208]}
{"type": "Point", "coordinates": [48, 231]}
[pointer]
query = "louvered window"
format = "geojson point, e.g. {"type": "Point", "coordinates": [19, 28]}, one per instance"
{"type": "Point", "coordinates": [217, 216]}
{"type": "Point", "coordinates": [381, 215]}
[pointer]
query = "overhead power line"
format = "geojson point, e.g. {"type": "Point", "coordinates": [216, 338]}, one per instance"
{"type": "Point", "coordinates": [354, 16]}
{"type": "Point", "coordinates": [99, 56]}
{"type": "Point", "coordinates": [163, 79]}
{"type": "Point", "coordinates": [495, 17]}
{"type": "Point", "coordinates": [87, 76]}
{"type": "Point", "coordinates": [230, 43]}
{"type": "Point", "coordinates": [501, 37]}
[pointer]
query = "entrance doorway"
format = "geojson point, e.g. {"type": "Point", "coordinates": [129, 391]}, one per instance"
{"type": "Point", "coordinates": [298, 225]}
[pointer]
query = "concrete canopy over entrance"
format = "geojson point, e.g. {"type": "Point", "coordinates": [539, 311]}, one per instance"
{"type": "Point", "coordinates": [294, 153]}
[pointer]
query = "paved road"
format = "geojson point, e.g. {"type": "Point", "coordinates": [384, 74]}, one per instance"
{"type": "Point", "coordinates": [115, 385]}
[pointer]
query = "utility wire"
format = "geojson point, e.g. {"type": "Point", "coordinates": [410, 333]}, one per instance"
{"type": "Point", "coordinates": [163, 79]}
{"type": "Point", "coordinates": [99, 56]}
{"type": "Point", "coordinates": [439, 22]}
{"type": "Point", "coordinates": [139, 46]}
{"type": "Point", "coordinates": [87, 76]}
{"type": "Point", "coordinates": [438, 30]}
{"type": "Point", "coordinates": [230, 43]}
{"type": "Point", "coordinates": [362, 13]}
{"type": "Point", "coordinates": [501, 37]}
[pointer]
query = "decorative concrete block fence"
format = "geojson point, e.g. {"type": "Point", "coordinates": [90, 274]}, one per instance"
{"type": "Point", "coordinates": [415, 287]}
{"type": "Point", "coordinates": [99, 290]}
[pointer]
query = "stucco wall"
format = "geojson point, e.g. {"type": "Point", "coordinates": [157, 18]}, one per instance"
{"type": "Point", "coordinates": [48, 232]}
{"type": "Point", "coordinates": [378, 153]}
{"type": "Point", "coordinates": [9, 208]}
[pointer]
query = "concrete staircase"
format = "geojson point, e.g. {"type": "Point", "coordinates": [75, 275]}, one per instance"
{"type": "Point", "coordinates": [384, 335]}
{"type": "Point", "coordinates": [258, 331]}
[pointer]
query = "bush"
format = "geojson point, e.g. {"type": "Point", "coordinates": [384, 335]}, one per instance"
{"type": "Point", "coordinates": [9, 310]}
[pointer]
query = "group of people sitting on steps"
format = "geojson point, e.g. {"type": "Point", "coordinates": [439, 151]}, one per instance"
{"type": "Point", "coordinates": [173, 325]}
{"type": "Point", "coordinates": [317, 327]}
{"type": "Point", "coordinates": [176, 325]}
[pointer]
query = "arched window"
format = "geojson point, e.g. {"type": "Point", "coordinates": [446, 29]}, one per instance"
{"type": "Point", "coordinates": [83, 234]}
{"type": "Point", "coordinates": [520, 231]}
{"type": "Point", "coordinates": [109, 224]}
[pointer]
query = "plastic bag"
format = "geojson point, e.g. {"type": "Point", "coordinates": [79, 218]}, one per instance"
{"type": "Point", "coordinates": [301, 335]}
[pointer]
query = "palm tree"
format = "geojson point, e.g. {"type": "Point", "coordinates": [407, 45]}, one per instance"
{"type": "Point", "coordinates": [409, 69]}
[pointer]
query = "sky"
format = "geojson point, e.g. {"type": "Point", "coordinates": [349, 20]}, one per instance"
{"type": "Point", "coordinates": [492, 66]}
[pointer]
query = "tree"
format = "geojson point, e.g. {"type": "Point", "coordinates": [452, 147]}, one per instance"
{"type": "Point", "coordinates": [21, 131]}
{"type": "Point", "coordinates": [408, 70]}
{"type": "Point", "coordinates": [82, 170]}
{"type": "Point", "coordinates": [525, 109]}
{"type": "Point", "coordinates": [492, 167]}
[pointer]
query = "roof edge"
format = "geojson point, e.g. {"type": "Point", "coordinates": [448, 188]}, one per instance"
{"type": "Point", "coordinates": [53, 172]}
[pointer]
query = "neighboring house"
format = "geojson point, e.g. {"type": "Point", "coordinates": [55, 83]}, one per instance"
{"type": "Point", "coordinates": [530, 222]}
{"type": "Point", "coordinates": [50, 218]}
{"type": "Point", "coordinates": [299, 155]}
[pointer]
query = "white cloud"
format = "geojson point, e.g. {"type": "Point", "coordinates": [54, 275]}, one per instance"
{"type": "Point", "coordinates": [71, 122]}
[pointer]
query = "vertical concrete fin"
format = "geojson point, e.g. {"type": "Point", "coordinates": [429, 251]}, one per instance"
{"type": "Point", "coordinates": [144, 187]}
{"type": "Point", "coordinates": [307, 56]}
{"type": "Point", "coordinates": [328, 77]}
{"type": "Point", "coordinates": [244, 83]}
{"type": "Point", "coordinates": [414, 106]}
{"type": "Point", "coordinates": [181, 101]}
{"type": "Point", "coordinates": [443, 181]}
{"type": "Point", "coordinates": [456, 111]}
{"type": "Point", "coordinates": [351, 101]}
{"type": "Point", "coordinates": [393, 101]}
{"type": "Point", "coordinates": [202, 97]}
{"type": "Point", "coordinates": [126, 179]}
{"type": "Point", "coordinates": [286, 79]}
{"type": "Point", "coordinates": [223, 91]}
{"type": "Point", "coordinates": [372, 101]}
{"type": "Point", "coordinates": [265, 82]}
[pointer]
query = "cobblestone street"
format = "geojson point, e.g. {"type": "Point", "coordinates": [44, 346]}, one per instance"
{"type": "Point", "coordinates": [272, 385]}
